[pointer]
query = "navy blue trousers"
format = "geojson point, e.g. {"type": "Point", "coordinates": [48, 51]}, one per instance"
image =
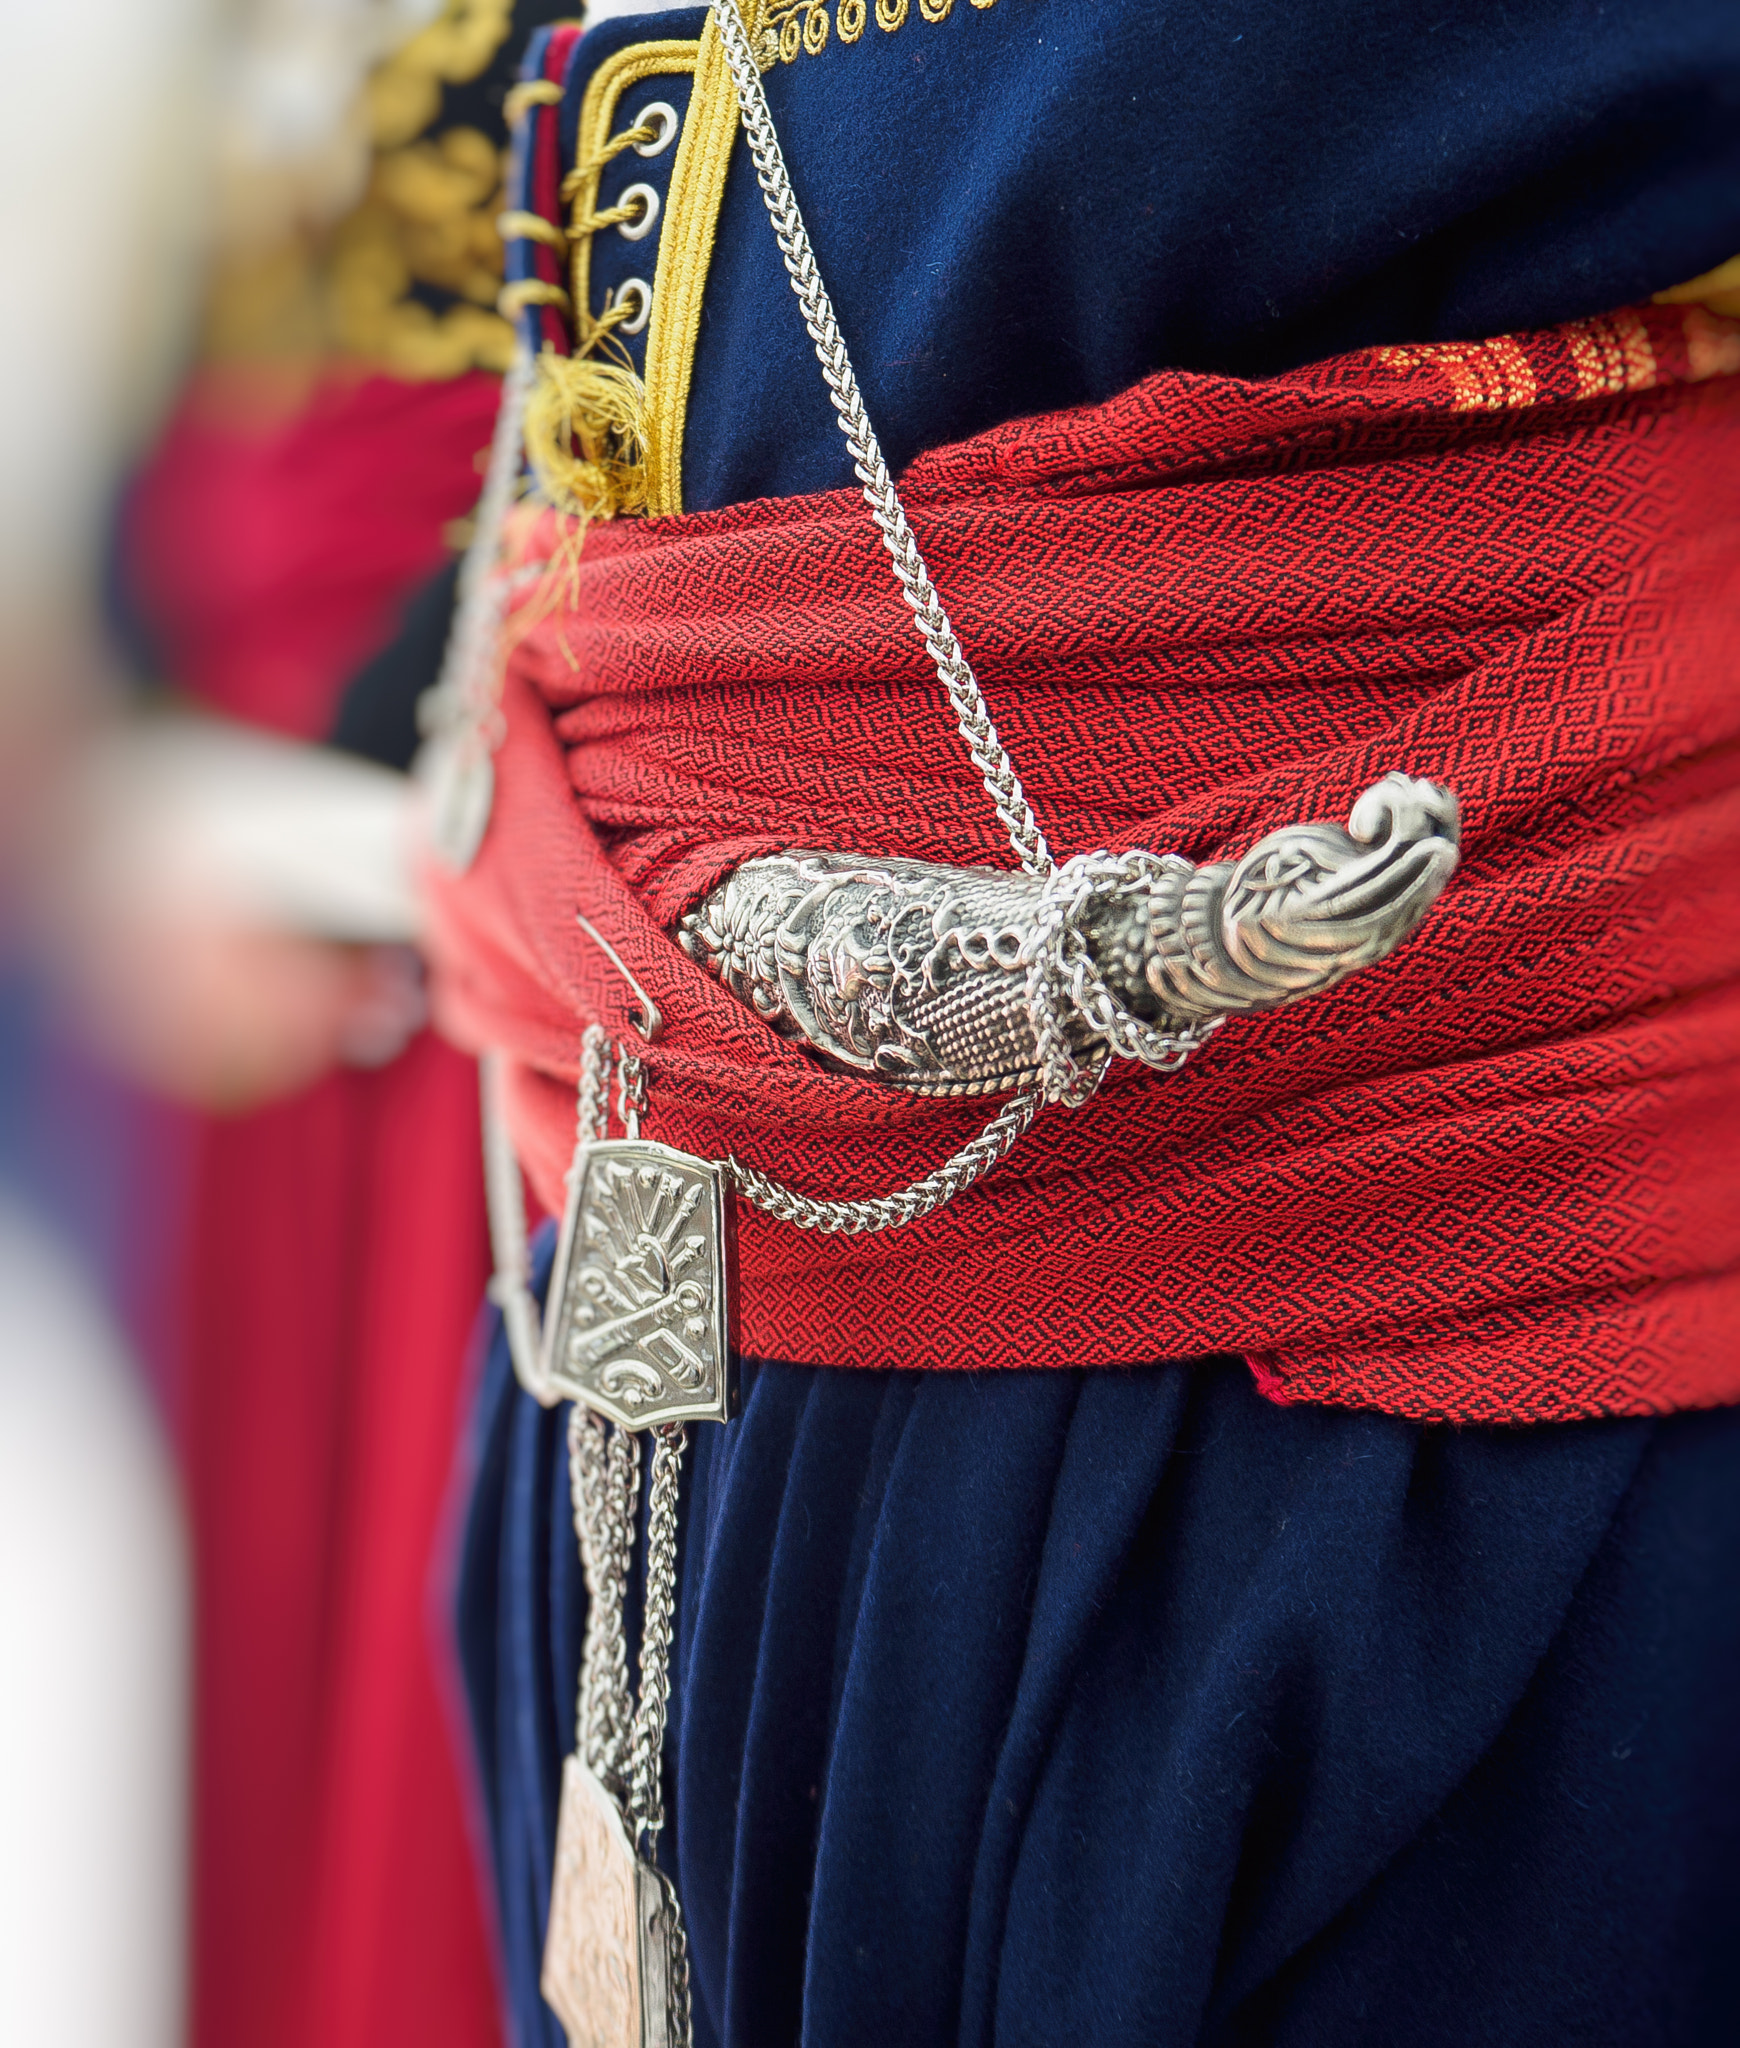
{"type": "Point", "coordinates": [1125, 1708]}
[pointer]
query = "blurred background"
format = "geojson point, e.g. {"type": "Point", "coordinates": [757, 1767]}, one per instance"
{"type": "Point", "coordinates": [248, 365]}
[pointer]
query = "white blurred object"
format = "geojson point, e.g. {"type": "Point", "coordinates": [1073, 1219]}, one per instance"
{"type": "Point", "coordinates": [104, 163]}
{"type": "Point", "coordinates": [293, 140]}
{"type": "Point", "coordinates": [93, 1674]}
{"type": "Point", "coordinates": [220, 821]}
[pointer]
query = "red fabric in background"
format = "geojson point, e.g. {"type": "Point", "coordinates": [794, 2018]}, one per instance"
{"type": "Point", "coordinates": [335, 1274]}
{"type": "Point", "coordinates": [270, 556]}
{"type": "Point", "coordinates": [1496, 1177]}
{"type": "Point", "coordinates": [335, 1255]}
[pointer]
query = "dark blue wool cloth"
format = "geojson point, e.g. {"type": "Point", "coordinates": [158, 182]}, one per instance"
{"type": "Point", "coordinates": [1035, 204]}
{"type": "Point", "coordinates": [1128, 1708]}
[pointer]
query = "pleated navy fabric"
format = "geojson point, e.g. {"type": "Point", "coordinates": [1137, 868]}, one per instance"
{"type": "Point", "coordinates": [1128, 1708]}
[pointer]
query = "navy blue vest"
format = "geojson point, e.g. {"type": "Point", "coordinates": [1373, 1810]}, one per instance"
{"type": "Point", "coordinates": [1033, 203]}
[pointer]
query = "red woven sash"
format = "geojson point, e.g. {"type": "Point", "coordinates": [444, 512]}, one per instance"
{"type": "Point", "coordinates": [1496, 1177]}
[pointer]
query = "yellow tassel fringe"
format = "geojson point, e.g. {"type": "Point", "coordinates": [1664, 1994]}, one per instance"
{"type": "Point", "coordinates": [587, 431]}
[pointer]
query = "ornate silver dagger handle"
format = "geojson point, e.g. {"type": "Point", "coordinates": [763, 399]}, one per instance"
{"type": "Point", "coordinates": [966, 981]}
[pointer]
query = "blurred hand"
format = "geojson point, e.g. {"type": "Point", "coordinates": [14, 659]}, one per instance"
{"type": "Point", "coordinates": [226, 1017]}
{"type": "Point", "coordinates": [225, 916]}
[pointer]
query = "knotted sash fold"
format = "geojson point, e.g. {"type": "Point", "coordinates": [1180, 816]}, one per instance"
{"type": "Point", "coordinates": [1496, 1177]}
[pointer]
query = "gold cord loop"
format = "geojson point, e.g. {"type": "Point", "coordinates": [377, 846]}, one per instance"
{"type": "Point", "coordinates": [529, 93]}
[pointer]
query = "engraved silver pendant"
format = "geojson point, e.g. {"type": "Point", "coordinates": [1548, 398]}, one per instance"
{"type": "Point", "coordinates": [926, 976]}
{"type": "Point", "coordinates": [639, 1324]}
{"type": "Point", "coordinates": [615, 1965]}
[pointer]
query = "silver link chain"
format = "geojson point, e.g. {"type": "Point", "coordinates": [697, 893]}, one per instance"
{"type": "Point", "coordinates": [510, 1285]}
{"type": "Point", "coordinates": [646, 1804]}
{"type": "Point", "coordinates": [604, 1478]}
{"type": "Point", "coordinates": [886, 1212]}
{"type": "Point", "coordinates": [1062, 976]}
{"type": "Point", "coordinates": [622, 1741]}
{"type": "Point", "coordinates": [953, 670]}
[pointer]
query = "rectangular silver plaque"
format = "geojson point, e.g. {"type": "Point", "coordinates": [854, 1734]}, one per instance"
{"type": "Point", "coordinates": [638, 1323]}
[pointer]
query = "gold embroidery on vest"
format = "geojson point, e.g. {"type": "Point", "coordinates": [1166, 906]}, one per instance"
{"type": "Point", "coordinates": [427, 216]}
{"type": "Point", "coordinates": [589, 422]}
{"type": "Point", "coordinates": [1612, 353]}
{"type": "Point", "coordinates": [787, 27]}
{"type": "Point", "coordinates": [1484, 376]}
{"type": "Point", "coordinates": [604, 89]}
{"type": "Point", "coordinates": [690, 225]}
{"type": "Point", "coordinates": [685, 252]}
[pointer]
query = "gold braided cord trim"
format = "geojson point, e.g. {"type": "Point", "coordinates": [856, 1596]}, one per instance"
{"type": "Point", "coordinates": [785, 29]}
{"type": "Point", "coordinates": [428, 218]}
{"type": "Point", "coordinates": [517, 226]}
{"type": "Point", "coordinates": [595, 146]}
{"type": "Point", "coordinates": [404, 93]}
{"type": "Point", "coordinates": [685, 255]}
{"type": "Point", "coordinates": [513, 299]}
{"type": "Point", "coordinates": [529, 93]}
{"type": "Point", "coordinates": [1718, 289]}
{"type": "Point", "coordinates": [304, 290]}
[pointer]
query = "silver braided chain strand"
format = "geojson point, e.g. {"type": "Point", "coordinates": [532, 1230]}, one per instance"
{"type": "Point", "coordinates": [592, 1098]}
{"type": "Point", "coordinates": [953, 670]}
{"type": "Point", "coordinates": [604, 1478]}
{"type": "Point", "coordinates": [886, 1212]}
{"type": "Point", "coordinates": [646, 1803]}
{"type": "Point", "coordinates": [510, 1285]}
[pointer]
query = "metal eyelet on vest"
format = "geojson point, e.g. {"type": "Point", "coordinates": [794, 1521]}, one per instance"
{"type": "Point", "coordinates": [648, 201]}
{"type": "Point", "coordinates": [665, 115]}
{"type": "Point", "coordinates": [640, 289]}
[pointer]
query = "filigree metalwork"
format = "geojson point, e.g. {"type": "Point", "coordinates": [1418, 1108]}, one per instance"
{"type": "Point", "coordinates": [614, 1969]}
{"type": "Point", "coordinates": [947, 981]}
{"type": "Point", "coordinates": [638, 1324]}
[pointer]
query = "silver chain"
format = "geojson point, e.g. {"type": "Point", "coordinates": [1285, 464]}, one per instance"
{"type": "Point", "coordinates": [953, 670]}
{"type": "Point", "coordinates": [592, 1098]}
{"type": "Point", "coordinates": [646, 1804]}
{"type": "Point", "coordinates": [885, 1212]}
{"type": "Point", "coordinates": [510, 1285]}
{"type": "Point", "coordinates": [604, 1479]}
{"type": "Point", "coordinates": [1063, 977]}
{"type": "Point", "coordinates": [464, 691]}
{"type": "Point", "coordinates": [621, 1741]}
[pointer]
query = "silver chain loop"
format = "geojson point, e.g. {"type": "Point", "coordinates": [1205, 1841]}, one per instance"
{"type": "Point", "coordinates": [1063, 977]}
{"type": "Point", "coordinates": [886, 1212]}
{"type": "Point", "coordinates": [604, 1480]}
